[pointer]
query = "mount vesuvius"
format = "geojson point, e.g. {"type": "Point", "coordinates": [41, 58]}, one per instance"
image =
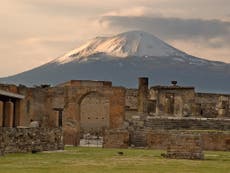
{"type": "Point", "coordinates": [125, 57]}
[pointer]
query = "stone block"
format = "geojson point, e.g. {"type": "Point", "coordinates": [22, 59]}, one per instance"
{"type": "Point", "coordinates": [116, 139]}
{"type": "Point", "coordinates": [185, 146]}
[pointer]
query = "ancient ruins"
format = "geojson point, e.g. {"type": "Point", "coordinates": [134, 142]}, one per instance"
{"type": "Point", "coordinates": [144, 117]}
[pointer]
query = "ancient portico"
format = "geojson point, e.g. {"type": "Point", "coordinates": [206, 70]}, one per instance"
{"type": "Point", "coordinates": [79, 106]}
{"type": "Point", "coordinates": [9, 109]}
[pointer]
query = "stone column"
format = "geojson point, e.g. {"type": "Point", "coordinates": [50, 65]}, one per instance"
{"type": "Point", "coordinates": [1, 113]}
{"type": "Point", "coordinates": [17, 119]}
{"type": "Point", "coordinates": [9, 114]}
{"type": "Point", "coordinates": [58, 116]}
{"type": "Point", "coordinates": [143, 93]}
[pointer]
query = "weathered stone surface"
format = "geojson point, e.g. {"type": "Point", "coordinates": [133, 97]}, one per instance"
{"type": "Point", "coordinates": [143, 95]}
{"type": "Point", "coordinates": [219, 141]}
{"type": "Point", "coordinates": [71, 135]}
{"type": "Point", "coordinates": [187, 124]}
{"type": "Point", "coordinates": [173, 100]}
{"type": "Point", "coordinates": [213, 105]}
{"type": "Point", "coordinates": [157, 139]}
{"type": "Point", "coordinates": [117, 107]}
{"type": "Point", "coordinates": [94, 111]}
{"type": "Point", "coordinates": [185, 146]}
{"type": "Point", "coordinates": [17, 140]}
{"type": "Point", "coordinates": [8, 113]}
{"type": "Point", "coordinates": [131, 99]}
{"type": "Point", "coordinates": [212, 140]}
{"type": "Point", "coordinates": [2, 148]}
{"type": "Point", "coordinates": [91, 106]}
{"type": "Point", "coordinates": [116, 139]}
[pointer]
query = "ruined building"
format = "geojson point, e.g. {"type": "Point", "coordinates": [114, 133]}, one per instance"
{"type": "Point", "coordinates": [82, 107]}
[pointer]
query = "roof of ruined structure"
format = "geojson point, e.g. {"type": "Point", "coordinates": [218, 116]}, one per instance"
{"type": "Point", "coordinates": [91, 83]}
{"type": "Point", "coordinates": [11, 95]}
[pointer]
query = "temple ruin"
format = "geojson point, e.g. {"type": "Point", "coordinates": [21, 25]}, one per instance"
{"type": "Point", "coordinates": [143, 116]}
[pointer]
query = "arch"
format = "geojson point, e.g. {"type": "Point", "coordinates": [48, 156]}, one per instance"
{"type": "Point", "coordinates": [94, 111]}
{"type": "Point", "coordinates": [84, 95]}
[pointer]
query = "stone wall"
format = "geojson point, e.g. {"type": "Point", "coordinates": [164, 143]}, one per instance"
{"type": "Point", "coordinates": [187, 123]}
{"type": "Point", "coordinates": [33, 106]}
{"type": "Point", "coordinates": [219, 141]}
{"type": "Point", "coordinates": [116, 139]}
{"type": "Point", "coordinates": [212, 140]}
{"type": "Point", "coordinates": [213, 105]}
{"type": "Point", "coordinates": [2, 150]}
{"type": "Point", "coordinates": [20, 140]}
{"type": "Point", "coordinates": [131, 102]}
{"type": "Point", "coordinates": [85, 104]}
{"type": "Point", "coordinates": [157, 139]}
{"type": "Point", "coordinates": [185, 146]}
{"type": "Point", "coordinates": [173, 100]}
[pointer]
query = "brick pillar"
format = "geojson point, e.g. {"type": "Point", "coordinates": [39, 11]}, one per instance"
{"type": "Point", "coordinates": [1, 113]}
{"type": "Point", "coordinates": [143, 93]}
{"type": "Point", "coordinates": [8, 114]}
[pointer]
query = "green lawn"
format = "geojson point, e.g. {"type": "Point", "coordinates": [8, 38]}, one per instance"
{"type": "Point", "coordinates": [97, 160]}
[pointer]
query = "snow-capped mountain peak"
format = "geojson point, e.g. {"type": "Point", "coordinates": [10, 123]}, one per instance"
{"type": "Point", "coordinates": [132, 43]}
{"type": "Point", "coordinates": [125, 57]}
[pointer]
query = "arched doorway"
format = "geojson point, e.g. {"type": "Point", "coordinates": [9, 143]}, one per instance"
{"type": "Point", "coordinates": [94, 111]}
{"type": "Point", "coordinates": [94, 115]}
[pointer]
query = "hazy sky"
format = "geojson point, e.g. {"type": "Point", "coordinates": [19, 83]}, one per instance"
{"type": "Point", "coordinates": [34, 32]}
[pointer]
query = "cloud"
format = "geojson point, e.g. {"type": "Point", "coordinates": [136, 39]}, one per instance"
{"type": "Point", "coordinates": [173, 28]}
{"type": "Point", "coordinates": [199, 37]}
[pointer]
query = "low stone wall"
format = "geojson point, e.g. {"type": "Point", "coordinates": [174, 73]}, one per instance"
{"type": "Point", "coordinates": [185, 146]}
{"type": "Point", "coordinates": [216, 141]}
{"type": "Point", "coordinates": [187, 123]}
{"type": "Point", "coordinates": [212, 140]}
{"type": "Point", "coordinates": [116, 139]}
{"type": "Point", "coordinates": [20, 140]}
{"type": "Point", "coordinates": [1, 145]}
{"type": "Point", "coordinates": [157, 139]}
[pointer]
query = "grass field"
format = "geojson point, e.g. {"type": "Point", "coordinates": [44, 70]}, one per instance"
{"type": "Point", "coordinates": [97, 160]}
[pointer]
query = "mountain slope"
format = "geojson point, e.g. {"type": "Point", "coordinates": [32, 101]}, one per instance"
{"type": "Point", "coordinates": [125, 57]}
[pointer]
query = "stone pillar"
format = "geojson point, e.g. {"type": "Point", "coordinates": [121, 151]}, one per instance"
{"type": "Point", "coordinates": [17, 118]}
{"type": "Point", "coordinates": [143, 93]}
{"type": "Point", "coordinates": [58, 117]}
{"type": "Point", "coordinates": [8, 114]}
{"type": "Point", "coordinates": [1, 113]}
